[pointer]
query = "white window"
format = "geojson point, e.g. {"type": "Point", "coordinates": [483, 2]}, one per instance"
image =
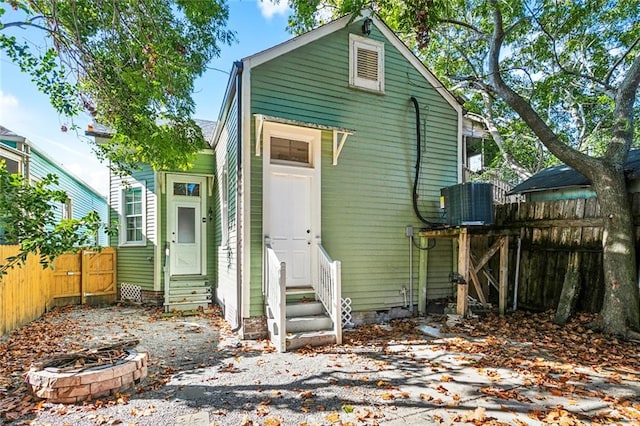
{"type": "Point", "coordinates": [366, 63]}
{"type": "Point", "coordinates": [132, 226]}
{"type": "Point", "coordinates": [66, 209]}
{"type": "Point", "coordinates": [186, 189]}
{"type": "Point", "coordinates": [12, 161]}
{"type": "Point", "coordinates": [290, 151]}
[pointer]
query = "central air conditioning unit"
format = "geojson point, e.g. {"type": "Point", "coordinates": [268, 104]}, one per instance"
{"type": "Point", "coordinates": [469, 203]}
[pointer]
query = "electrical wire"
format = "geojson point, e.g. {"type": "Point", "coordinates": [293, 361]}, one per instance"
{"type": "Point", "coordinates": [431, 244]}
{"type": "Point", "coordinates": [416, 209]}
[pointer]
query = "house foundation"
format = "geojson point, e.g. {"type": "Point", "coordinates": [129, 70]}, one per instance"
{"type": "Point", "coordinates": [155, 298]}
{"type": "Point", "coordinates": [254, 328]}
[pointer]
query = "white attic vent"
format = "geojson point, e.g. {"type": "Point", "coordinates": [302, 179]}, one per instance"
{"type": "Point", "coordinates": [366, 63]}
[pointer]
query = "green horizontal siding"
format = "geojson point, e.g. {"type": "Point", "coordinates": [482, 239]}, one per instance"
{"type": "Point", "coordinates": [367, 197]}
{"type": "Point", "coordinates": [135, 263]}
{"type": "Point", "coordinates": [84, 199]}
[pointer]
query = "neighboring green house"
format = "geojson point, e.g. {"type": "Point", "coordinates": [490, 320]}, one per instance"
{"type": "Point", "coordinates": [20, 156]}
{"type": "Point", "coordinates": [165, 231]}
{"type": "Point", "coordinates": [315, 165]}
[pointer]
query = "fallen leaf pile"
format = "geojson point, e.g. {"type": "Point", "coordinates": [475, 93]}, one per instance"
{"type": "Point", "coordinates": [572, 343]}
{"type": "Point", "coordinates": [52, 333]}
{"type": "Point", "coordinates": [552, 358]}
{"type": "Point", "coordinates": [402, 330]}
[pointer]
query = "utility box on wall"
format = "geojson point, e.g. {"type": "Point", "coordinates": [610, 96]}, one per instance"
{"type": "Point", "coordinates": [469, 203]}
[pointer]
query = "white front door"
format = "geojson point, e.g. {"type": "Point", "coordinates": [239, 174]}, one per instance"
{"type": "Point", "coordinates": [186, 226]}
{"type": "Point", "coordinates": [292, 198]}
{"type": "Point", "coordinates": [291, 225]}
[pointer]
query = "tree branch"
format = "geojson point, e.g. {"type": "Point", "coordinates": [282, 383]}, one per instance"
{"type": "Point", "coordinates": [565, 153]}
{"type": "Point", "coordinates": [22, 25]}
{"type": "Point", "coordinates": [623, 114]}
{"type": "Point", "coordinates": [465, 25]}
{"type": "Point", "coordinates": [620, 59]}
{"type": "Point", "coordinates": [603, 83]}
{"type": "Point", "coordinates": [489, 121]}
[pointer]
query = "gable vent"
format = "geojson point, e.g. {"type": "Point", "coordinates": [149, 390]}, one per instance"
{"type": "Point", "coordinates": [367, 64]}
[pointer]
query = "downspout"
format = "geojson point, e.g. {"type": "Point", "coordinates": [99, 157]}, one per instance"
{"type": "Point", "coordinates": [238, 66]}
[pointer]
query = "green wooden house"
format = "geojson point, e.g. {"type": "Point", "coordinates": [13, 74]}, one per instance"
{"type": "Point", "coordinates": [22, 157]}
{"type": "Point", "coordinates": [315, 153]}
{"type": "Point", "coordinates": [166, 231]}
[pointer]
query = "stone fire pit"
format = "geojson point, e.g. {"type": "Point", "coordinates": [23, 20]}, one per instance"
{"type": "Point", "coordinates": [107, 373]}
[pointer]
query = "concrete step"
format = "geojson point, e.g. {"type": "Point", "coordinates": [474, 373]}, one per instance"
{"type": "Point", "coordinates": [188, 283]}
{"type": "Point", "coordinates": [189, 298]}
{"type": "Point", "coordinates": [177, 291]}
{"type": "Point", "coordinates": [186, 306]}
{"type": "Point", "coordinates": [300, 290]}
{"type": "Point", "coordinates": [308, 323]}
{"type": "Point", "coordinates": [311, 338]}
{"type": "Point", "coordinates": [304, 309]}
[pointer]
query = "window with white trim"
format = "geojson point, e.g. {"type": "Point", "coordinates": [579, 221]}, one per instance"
{"type": "Point", "coordinates": [12, 161]}
{"type": "Point", "coordinates": [366, 63]}
{"type": "Point", "coordinates": [290, 151]}
{"type": "Point", "coordinates": [67, 213]}
{"type": "Point", "coordinates": [133, 216]}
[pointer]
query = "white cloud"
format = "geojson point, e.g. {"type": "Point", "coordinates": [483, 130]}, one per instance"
{"type": "Point", "coordinates": [7, 100]}
{"type": "Point", "coordinates": [269, 8]}
{"type": "Point", "coordinates": [98, 178]}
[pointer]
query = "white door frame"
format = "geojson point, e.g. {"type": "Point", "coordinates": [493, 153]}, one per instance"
{"type": "Point", "coordinates": [172, 199]}
{"type": "Point", "coordinates": [314, 137]}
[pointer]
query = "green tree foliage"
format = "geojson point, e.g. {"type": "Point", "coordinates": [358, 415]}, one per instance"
{"type": "Point", "coordinates": [563, 73]}
{"type": "Point", "coordinates": [28, 219]}
{"type": "Point", "coordinates": [129, 63]}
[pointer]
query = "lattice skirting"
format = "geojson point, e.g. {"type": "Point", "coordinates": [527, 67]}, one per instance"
{"type": "Point", "coordinates": [346, 313]}
{"type": "Point", "coordinates": [131, 292]}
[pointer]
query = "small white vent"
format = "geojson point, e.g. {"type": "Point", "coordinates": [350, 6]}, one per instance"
{"type": "Point", "coordinates": [367, 64]}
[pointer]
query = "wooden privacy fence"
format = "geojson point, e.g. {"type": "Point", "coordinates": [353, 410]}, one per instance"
{"type": "Point", "coordinates": [26, 293]}
{"type": "Point", "coordinates": [550, 232]}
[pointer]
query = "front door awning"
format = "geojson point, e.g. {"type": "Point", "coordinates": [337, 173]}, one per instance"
{"type": "Point", "coordinates": [339, 134]}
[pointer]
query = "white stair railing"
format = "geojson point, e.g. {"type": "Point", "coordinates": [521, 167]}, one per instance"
{"type": "Point", "coordinates": [275, 293]}
{"type": "Point", "coordinates": [329, 289]}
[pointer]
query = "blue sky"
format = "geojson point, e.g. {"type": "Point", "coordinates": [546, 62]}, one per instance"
{"type": "Point", "coordinates": [27, 112]}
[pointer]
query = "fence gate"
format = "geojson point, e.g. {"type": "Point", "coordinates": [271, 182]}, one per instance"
{"type": "Point", "coordinates": [85, 274]}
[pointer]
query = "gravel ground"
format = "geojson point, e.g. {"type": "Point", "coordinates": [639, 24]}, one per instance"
{"type": "Point", "coordinates": [201, 374]}
{"type": "Point", "coordinates": [199, 368]}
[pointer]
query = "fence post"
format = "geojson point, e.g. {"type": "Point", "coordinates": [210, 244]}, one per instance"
{"type": "Point", "coordinates": [504, 274]}
{"type": "Point", "coordinates": [84, 270]}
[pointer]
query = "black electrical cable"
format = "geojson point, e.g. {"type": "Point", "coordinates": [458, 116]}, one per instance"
{"type": "Point", "coordinates": [430, 244]}
{"type": "Point", "coordinates": [417, 174]}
